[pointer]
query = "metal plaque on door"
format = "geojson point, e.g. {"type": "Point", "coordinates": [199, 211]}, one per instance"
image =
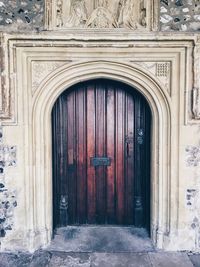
{"type": "Point", "coordinates": [100, 161]}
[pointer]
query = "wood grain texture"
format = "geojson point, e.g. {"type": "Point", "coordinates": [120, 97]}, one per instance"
{"type": "Point", "coordinates": [101, 118]}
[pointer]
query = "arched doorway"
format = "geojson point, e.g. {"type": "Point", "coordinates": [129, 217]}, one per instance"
{"type": "Point", "coordinates": [101, 155]}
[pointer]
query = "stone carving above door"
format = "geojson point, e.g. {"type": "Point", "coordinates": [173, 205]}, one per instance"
{"type": "Point", "coordinates": [100, 14]}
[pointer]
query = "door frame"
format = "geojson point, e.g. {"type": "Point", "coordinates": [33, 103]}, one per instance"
{"type": "Point", "coordinates": [164, 130]}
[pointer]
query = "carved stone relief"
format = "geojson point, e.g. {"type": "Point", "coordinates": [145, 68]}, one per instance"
{"type": "Point", "coordinates": [161, 70]}
{"type": "Point", "coordinates": [40, 69]}
{"type": "Point", "coordinates": [192, 156]}
{"type": "Point", "coordinates": [129, 14]}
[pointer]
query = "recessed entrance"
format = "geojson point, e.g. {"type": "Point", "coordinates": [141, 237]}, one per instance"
{"type": "Point", "coordinates": [101, 155]}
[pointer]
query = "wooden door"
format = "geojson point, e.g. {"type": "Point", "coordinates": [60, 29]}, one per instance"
{"type": "Point", "coordinates": [101, 155]}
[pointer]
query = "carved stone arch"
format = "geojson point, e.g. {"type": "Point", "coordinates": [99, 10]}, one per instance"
{"type": "Point", "coordinates": [39, 155]}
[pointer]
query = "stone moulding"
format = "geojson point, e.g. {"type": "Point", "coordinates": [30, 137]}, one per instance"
{"type": "Point", "coordinates": [196, 89]}
{"type": "Point", "coordinates": [130, 14]}
{"type": "Point", "coordinates": [8, 105]}
{"type": "Point", "coordinates": [4, 91]}
{"type": "Point", "coordinates": [68, 60]}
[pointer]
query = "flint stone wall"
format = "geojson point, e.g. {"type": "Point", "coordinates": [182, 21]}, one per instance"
{"type": "Point", "coordinates": [175, 15]}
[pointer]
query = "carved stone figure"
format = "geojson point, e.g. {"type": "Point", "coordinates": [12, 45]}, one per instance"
{"type": "Point", "coordinates": [78, 14]}
{"type": "Point", "coordinates": [132, 14]}
{"type": "Point", "coordinates": [101, 13]}
{"type": "Point", "coordinates": [126, 13]}
{"type": "Point", "coordinates": [59, 13]}
{"type": "Point", "coordinates": [101, 18]}
{"type": "Point", "coordinates": [102, 3]}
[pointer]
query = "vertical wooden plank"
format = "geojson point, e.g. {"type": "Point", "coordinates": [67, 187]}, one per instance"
{"type": "Point", "coordinates": [145, 163]}
{"type": "Point", "coordinates": [71, 157]}
{"type": "Point", "coordinates": [120, 118]}
{"type": "Point", "coordinates": [64, 178]}
{"type": "Point", "coordinates": [111, 209]}
{"type": "Point", "coordinates": [138, 201]}
{"type": "Point", "coordinates": [129, 158]}
{"type": "Point", "coordinates": [100, 152]}
{"type": "Point", "coordinates": [59, 169]}
{"type": "Point", "coordinates": [91, 187]}
{"type": "Point", "coordinates": [56, 176]}
{"type": "Point", "coordinates": [81, 155]}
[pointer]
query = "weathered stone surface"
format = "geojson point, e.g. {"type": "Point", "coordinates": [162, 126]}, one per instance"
{"type": "Point", "coordinates": [15, 260]}
{"type": "Point", "coordinates": [40, 258]}
{"type": "Point", "coordinates": [8, 200]}
{"type": "Point", "coordinates": [180, 15]}
{"type": "Point", "coordinates": [70, 259]}
{"type": "Point", "coordinates": [62, 259]}
{"type": "Point", "coordinates": [21, 14]}
{"type": "Point", "coordinates": [170, 259]}
{"type": "Point", "coordinates": [195, 259]}
{"type": "Point", "coordinates": [120, 260]}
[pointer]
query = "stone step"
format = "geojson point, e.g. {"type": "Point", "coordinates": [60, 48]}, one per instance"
{"type": "Point", "coordinates": [101, 239]}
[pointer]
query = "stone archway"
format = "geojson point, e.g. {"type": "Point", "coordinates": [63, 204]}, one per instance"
{"type": "Point", "coordinates": [40, 143]}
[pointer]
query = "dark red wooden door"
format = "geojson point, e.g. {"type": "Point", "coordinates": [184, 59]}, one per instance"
{"type": "Point", "coordinates": [101, 155]}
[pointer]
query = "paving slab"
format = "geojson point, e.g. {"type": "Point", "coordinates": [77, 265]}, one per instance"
{"type": "Point", "coordinates": [120, 260]}
{"type": "Point", "coordinates": [195, 259]}
{"type": "Point", "coordinates": [43, 258]}
{"type": "Point", "coordinates": [15, 260]}
{"type": "Point", "coordinates": [60, 259]}
{"type": "Point", "coordinates": [170, 259]}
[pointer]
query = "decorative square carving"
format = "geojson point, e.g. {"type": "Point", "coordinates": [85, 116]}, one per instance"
{"type": "Point", "coordinates": [40, 69]}
{"type": "Point", "coordinates": [101, 14]}
{"type": "Point", "coordinates": [162, 69]}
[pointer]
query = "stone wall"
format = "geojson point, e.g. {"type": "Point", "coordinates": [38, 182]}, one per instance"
{"type": "Point", "coordinates": [180, 15]}
{"type": "Point", "coordinates": [21, 15]}
{"type": "Point", "coordinates": [175, 15]}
